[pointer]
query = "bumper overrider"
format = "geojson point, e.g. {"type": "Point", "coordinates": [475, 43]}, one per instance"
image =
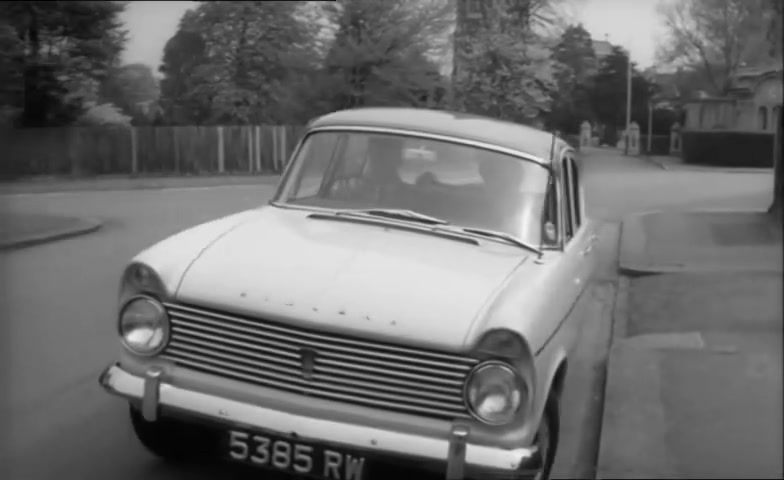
{"type": "Point", "coordinates": [457, 453]}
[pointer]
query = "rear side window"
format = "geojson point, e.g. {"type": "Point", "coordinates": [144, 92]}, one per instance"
{"type": "Point", "coordinates": [576, 200]}
{"type": "Point", "coordinates": [566, 208]}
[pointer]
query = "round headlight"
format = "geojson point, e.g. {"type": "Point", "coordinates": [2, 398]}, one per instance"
{"type": "Point", "coordinates": [494, 393]}
{"type": "Point", "coordinates": [144, 326]}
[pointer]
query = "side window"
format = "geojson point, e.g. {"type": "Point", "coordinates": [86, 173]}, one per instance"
{"type": "Point", "coordinates": [550, 214]}
{"type": "Point", "coordinates": [566, 207]}
{"type": "Point", "coordinates": [575, 205]}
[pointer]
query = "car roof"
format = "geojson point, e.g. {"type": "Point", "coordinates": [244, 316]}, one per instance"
{"type": "Point", "coordinates": [521, 138]}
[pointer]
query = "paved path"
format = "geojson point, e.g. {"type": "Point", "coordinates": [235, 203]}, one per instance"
{"type": "Point", "coordinates": [694, 387]}
{"type": "Point", "coordinates": [58, 327]}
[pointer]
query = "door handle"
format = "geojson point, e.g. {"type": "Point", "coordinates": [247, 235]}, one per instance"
{"type": "Point", "coordinates": [591, 242]}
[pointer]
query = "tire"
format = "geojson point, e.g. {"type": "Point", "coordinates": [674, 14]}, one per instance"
{"type": "Point", "coordinates": [169, 439]}
{"type": "Point", "coordinates": [548, 433]}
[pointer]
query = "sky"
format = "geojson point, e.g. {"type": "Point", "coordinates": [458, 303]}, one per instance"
{"type": "Point", "coordinates": [630, 23]}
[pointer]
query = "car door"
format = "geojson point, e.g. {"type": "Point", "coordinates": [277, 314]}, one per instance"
{"type": "Point", "coordinates": [581, 250]}
{"type": "Point", "coordinates": [578, 238]}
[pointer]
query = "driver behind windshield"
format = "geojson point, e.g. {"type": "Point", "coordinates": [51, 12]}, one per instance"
{"type": "Point", "coordinates": [384, 159]}
{"type": "Point", "coordinates": [501, 179]}
{"type": "Point", "coordinates": [500, 175]}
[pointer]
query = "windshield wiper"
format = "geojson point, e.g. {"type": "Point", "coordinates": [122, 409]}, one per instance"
{"type": "Point", "coordinates": [396, 214]}
{"type": "Point", "coordinates": [502, 236]}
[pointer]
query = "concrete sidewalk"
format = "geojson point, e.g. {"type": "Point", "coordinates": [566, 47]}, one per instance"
{"type": "Point", "coordinates": [694, 386]}
{"type": "Point", "coordinates": [699, 241]}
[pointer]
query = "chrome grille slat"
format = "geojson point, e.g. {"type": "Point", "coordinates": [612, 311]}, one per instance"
{"type": "Point", "coordinates": [229, 373]}
{"type": "Point", "coordinates": [386, 369]}
{"type": "Point", "coordinates": [332, 339]}
{"type": "Point", "coordinates": [247, 342]}
{"type": "Point", "coordinates": [327, 380]}
{"type": "Point", "coordinates": [302, 384]}
{"type": "Point", "coordinates": [350, 370]}
{"type": "Point", "coordinates": [423, 383]}
{"type": "Point", "coordinates": [229, 330]}
{"type": "Point", "coordinates": [183, 335]}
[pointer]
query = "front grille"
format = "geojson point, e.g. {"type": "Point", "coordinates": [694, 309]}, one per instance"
{"type": "Point", "coordinates": [345, 369]}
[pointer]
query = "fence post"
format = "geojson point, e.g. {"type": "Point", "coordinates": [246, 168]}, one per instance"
{"type": "Point", "coordinates": [134, 153]}
{"type": "Point", "coordinates": [176, 135]}
{"type": "Point", "coordinates": [284, 149]}
{"type": "Point", "coordinates": [275, 167]}
{"type": "Point", "coordinates": [220, 150]}
{"type": "Point", "coordinates": [257, 129]}
{"type": "Point", "coordinates": [249, 134]}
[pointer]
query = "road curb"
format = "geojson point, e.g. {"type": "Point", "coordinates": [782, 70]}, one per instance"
{"type": "Point", "coordinates": [656, 162]}
{"type": "Point", "coordinates": [84, 227]}
{"type": "Point", "coordinates": [632, 245]}
{"type": "Point", "coordinates": [682, 167]}
{"type": "Point", "coordinates": [633, 440]}
{"type": "Point", "coordinates": [262, 180]}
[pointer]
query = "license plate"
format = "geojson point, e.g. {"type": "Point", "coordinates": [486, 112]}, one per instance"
{"type": "Point", "coordinates": [292, 456]}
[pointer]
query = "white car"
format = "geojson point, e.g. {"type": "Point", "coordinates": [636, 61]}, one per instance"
{"type": "Point", "coordinates": [380, 310]}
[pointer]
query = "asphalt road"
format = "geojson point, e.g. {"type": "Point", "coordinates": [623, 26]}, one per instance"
{"type": "Point", "coordinates": [57, 319]}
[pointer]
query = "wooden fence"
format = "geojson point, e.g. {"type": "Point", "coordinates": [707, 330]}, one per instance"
{"type": "Point", "coordinates": [146, 150]}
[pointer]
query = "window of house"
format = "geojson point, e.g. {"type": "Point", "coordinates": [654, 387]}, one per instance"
{"type": "Point", "coordinates": [774, 117]}
{"type": "Point", "coordinates": [762, 118]}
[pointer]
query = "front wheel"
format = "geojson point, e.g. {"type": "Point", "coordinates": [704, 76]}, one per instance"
{"type": "Point", "coordinates": [547, 436]}
{"type": "Point", "coordinates": [170, 439]}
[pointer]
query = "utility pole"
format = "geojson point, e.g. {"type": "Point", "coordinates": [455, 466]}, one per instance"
{"type": "Point", "coordinates": [628, 99]}
{"type": "Point", "coordinates": [650, 125]}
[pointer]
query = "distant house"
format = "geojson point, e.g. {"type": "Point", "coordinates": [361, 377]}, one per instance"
{"type": "Point", "coordinates": [602, 48]}
{"type": "Point", "coordinates": [751, 104]}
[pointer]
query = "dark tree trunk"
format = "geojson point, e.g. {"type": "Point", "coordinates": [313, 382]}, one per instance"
{"type": "Point", "coordinates": [778, 175]}
{"type": "Point", "coordinates": [34, 113]}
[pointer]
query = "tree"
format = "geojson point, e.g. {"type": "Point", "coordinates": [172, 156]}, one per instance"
{"type": "Point", "coordinates": [381, 53]}
{"type": "Point", "coordinates": [233, 62]}
{"type": "Point", "coordinates": [609, 93]}
{"type": "Point", "coordinates": [133, 89]}
{"type": "Point", "coordinates": [575, 71]}
{"type": "Point", "coordinates": [504, 67]}
{"type": "Point", "coordinates": [183, 53]}
{"type": "Point", "coordinates": [67, 49]}
{"type": "Point", "coordinates": [716, 36]}
{"type": "Point", "coordinates": [103, 115]}
{"type": "Point", "coordinates": [773, 35]}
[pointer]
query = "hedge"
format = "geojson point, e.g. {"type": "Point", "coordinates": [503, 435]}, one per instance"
{"type": "Point", "coordinates": [660, 145]}
{"type": "Point", "coordinates": [728, 149]}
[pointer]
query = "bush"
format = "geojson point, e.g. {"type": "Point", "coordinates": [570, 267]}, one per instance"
{"type": "Point", "coordinates": [573, 140]}
{"type": "Point", "coordinates": [728, 149]}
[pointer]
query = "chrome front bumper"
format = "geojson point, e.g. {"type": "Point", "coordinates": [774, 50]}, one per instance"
{"type": "Point", "coordinates": [456, 453]}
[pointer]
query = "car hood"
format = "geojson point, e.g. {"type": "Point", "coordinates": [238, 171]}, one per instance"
{"type": "Point", "coordinates": [354, 278]}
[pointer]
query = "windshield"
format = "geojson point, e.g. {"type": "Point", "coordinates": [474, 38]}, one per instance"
{"type": "Point", "coordinates": [463, 185]}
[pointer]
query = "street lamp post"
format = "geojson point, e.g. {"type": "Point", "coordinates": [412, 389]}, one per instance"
{"type": "Point", "coordinates": [628, 99]}
{"type": "Point", "coordinates": [650, 125]}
